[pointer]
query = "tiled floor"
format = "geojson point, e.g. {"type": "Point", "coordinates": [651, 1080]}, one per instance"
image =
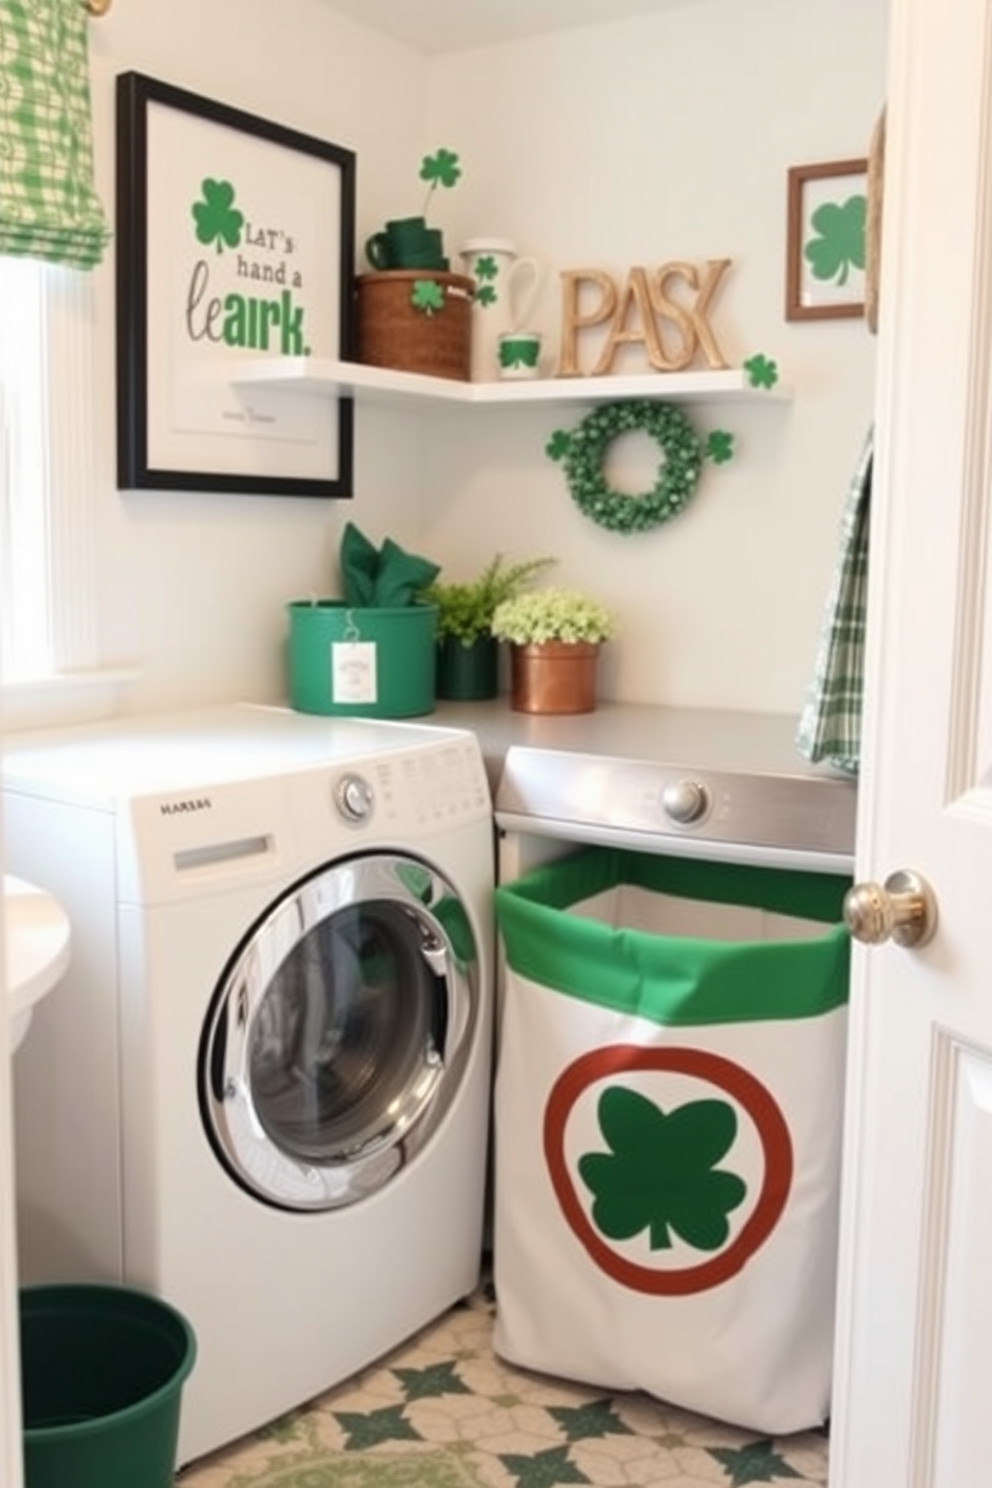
{"type": "Point", "coordinates": [443, 1412]}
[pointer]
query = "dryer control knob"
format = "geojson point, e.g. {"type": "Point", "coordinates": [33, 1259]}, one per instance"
{"type": "Point", "coordinates": [353, 798]}
{"type": "Point", "coordinates": [684, 801]}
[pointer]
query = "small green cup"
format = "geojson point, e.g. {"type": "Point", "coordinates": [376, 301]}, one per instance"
{"type": "Point", "coordinates": [406, 243]}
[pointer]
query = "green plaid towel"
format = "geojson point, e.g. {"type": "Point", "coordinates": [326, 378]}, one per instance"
{"type": "Point", "coordinates": [830, 725]}
{"type": "Point", "coordinates": [48, 206]}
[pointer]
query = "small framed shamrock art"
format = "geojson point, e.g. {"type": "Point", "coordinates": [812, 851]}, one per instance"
{"type": "Point", "coordinates": [825, 241]}
{"type": "Point", "coordinates": [235, 246]}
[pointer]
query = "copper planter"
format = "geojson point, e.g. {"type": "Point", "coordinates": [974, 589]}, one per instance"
{"type": "Point", "coordinates": [553, 677]}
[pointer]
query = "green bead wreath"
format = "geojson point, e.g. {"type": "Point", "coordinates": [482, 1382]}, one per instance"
{"type": "Point", "coordinates": [584, 448]}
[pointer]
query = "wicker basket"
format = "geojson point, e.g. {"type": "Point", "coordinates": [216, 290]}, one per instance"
{"type": "Point", "coordinates": [392, 332]}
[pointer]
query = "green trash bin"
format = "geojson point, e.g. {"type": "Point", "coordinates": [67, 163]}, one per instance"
{"type": "Point", "coordinates": [102, 1371]}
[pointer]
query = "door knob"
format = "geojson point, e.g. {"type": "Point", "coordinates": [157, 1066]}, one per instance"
{"type": "Point", "coordinates": [903, 908]}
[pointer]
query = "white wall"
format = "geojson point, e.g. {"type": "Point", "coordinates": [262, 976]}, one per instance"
{"type": "Point", "coordinates": [645, 140]}
{"type": "Point", "coordinates": [669, 137]}
{"type": "Point", "coordinates": [193, 586]}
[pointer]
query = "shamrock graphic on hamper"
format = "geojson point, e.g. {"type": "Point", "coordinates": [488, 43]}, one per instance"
{"type": "Point", "coordinates": [660, 1174]}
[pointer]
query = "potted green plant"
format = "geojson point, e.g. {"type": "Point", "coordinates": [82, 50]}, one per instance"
{"type": "Point", "coordinates": [554, 636]}
{"type": "Point", "coordinates": [467, 658]}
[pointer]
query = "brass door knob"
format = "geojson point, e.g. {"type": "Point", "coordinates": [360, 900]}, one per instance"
{"type": "Point", "coordinates": [903, 909]}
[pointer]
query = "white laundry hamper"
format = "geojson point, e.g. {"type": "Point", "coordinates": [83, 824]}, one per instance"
{"type": "Point", "coordinates": [668, 1115]}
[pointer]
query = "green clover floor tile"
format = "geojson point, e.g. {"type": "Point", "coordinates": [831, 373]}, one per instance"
{"type": "Point", "coordinates": [444, 1411]}
{"type": "Point", "coordinates": [596, 1419]}
{"type": "Point", "coordinates": [436, 1379]}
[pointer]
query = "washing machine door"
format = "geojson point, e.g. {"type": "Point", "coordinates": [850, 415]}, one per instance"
{"type": "Point", "coordinates": [338, 1037]}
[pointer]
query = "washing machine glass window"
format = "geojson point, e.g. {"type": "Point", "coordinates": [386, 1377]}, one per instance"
{"type": "Point", "coordinates": [338, 1035]}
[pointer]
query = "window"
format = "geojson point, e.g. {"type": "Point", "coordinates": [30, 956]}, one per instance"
{"type": "Point", "coordinates": [47, 489]}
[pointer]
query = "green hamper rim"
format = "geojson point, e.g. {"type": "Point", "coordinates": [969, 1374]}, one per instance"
{"type": "Point", "coordinates": [677, 980]}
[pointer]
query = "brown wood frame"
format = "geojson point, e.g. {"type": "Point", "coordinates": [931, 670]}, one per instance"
{"type": "Point", "coordinates": [798, 179]}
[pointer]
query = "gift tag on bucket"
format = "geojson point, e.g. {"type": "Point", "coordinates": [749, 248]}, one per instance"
{"type": "Point", "coordinates": [353, 667]}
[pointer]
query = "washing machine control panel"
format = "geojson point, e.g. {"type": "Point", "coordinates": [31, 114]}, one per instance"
{"type": "Point", "coordinates": [403, 792]}
{"type": "Point", "coordinates": [353, 798]}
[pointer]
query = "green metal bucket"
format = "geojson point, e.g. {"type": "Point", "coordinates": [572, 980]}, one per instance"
{"type": "Point", "coordinates": [102, 1371]}
{"type": "Point", "coordinates": [357, 662]}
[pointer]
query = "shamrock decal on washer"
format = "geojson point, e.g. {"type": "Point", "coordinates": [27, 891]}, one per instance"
{"type": "Point", "coordinates": [671, 1165]}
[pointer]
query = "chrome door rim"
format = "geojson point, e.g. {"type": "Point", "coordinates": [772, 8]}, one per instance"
{"type": "Point", "coordinates": [234, 1124]}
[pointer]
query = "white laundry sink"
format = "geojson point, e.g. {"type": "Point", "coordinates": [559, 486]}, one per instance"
{"type": "Point", "coordinates": [36, 937]}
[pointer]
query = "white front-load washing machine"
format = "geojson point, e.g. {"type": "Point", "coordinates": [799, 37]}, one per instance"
{"type": "Point", "coordinates": [262, 1089]}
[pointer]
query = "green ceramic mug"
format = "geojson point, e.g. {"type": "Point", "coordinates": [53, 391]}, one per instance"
{"type": "Point", "coordinates": [406, 243]}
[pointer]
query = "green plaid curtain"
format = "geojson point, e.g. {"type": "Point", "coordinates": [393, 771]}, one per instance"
{"type": "Point", "coordinates": [830, 725]}
{"type": "Point", "coordinates": [48, 206]}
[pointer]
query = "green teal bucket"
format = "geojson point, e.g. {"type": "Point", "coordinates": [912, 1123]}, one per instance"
{"type": "Point", "coordinates": [102, 1371]}
{"type": "Point", "coordinates": [362, 663]}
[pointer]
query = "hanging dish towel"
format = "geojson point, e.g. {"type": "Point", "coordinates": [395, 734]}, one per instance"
{"type": "Point", "coordinates": [830, 725]}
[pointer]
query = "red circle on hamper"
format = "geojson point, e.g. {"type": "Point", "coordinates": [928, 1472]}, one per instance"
{"type": "Point", "coordinates": [761, 1107]}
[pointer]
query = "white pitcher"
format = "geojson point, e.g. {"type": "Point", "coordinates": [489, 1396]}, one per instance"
{"type": "Point", "coordinates": [506, 290]}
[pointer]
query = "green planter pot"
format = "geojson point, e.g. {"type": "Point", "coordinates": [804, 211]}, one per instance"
{"type": "Point", "coordinates": [467, 673]}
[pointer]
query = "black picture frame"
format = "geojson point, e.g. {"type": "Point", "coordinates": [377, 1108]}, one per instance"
{"type": "Point", "coordinates": [234, 242]}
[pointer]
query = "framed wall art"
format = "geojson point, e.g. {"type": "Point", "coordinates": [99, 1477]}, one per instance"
{"type": "Point", "coordinates": [825, 240]}
{"type": "Point", "coordinates": [235, 241]}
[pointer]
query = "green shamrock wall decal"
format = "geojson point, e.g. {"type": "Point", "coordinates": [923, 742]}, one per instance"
{"type": "Point", "coordinates": [761, 371]}
{"type": "Point", "coordinates": [661, 1173]}
{"type": "Point", "coordinates": [217, 219]}
{"type": "Point", "coordinates": [720, 446]}
{"type": "Point", "coordinates": [427, 296]}
{"type": "Point", "coordinates": [838, 240]}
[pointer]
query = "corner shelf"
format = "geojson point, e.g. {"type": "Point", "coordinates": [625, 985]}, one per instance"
{"type": "Point", "coordinates": [381, 385]}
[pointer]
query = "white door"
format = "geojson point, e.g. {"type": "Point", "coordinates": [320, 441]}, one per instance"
{"type": "Point", "coordinates": [915, 1299]}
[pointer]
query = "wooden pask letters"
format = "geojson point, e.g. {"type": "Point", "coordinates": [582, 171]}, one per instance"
{"type": "Point", "coordinates": [649, 310]}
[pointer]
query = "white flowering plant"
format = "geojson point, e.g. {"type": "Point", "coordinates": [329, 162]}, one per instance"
{"type": "Point", "coordinates": [554, 614]}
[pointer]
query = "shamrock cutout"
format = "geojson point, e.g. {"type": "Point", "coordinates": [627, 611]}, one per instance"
{"type": "Point", "coordinates": [440, 169]}
{"type": "Point", "coordinates": [427, 295]}
{"type": "Point", "coordinates": [558, 445]}
{"type": "Point", "coordinates": [762, 372]}
{"type": "Point", "coordinates": [217, 219]}
{"type": "Point", "coordinates": [838, 241]}
{"type": "Point", "coordinates": [720, 446]}
{"type": "Point", "coordinates": [661, 1173]}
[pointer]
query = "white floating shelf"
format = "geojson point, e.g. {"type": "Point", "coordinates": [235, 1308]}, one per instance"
{"type": "Point", "coordinates": [320, 377]}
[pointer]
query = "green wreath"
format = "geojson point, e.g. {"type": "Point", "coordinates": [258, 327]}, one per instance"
{"type": "Point", "coordinates": [583, 451]}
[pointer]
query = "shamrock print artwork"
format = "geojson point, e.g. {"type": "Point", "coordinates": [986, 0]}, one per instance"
{"type": "Point", "coordinates": [836, 244]}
